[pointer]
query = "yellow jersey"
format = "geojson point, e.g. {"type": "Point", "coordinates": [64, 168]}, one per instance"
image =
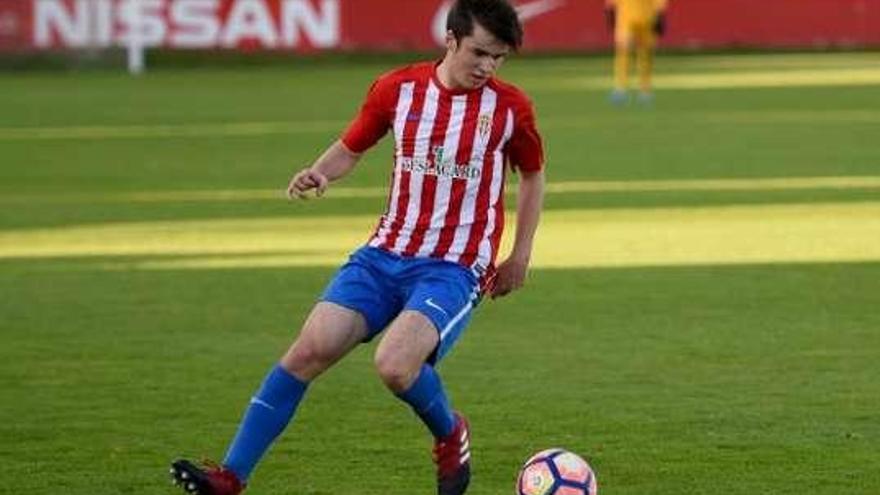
{"type": "Point", "coordinates": [637, 11]}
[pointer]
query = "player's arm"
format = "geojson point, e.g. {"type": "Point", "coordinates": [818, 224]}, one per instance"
{"type": "Point", "coordinates": [367, 128]}
{"type": "Point", "coordinates": [610, 13]}
{"type": "Point", "coordinates": [660, 17]}
{"type": "Point", "coordinates": [526, 155]}
{"type": "Point", "coordinates": [512, 271]}
{"type": "Point", "coordinates": [336, 162]}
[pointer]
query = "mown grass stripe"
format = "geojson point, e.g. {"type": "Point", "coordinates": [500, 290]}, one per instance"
{"type": "Point", "coordinates": [728, 80]}
{"type": "Point", "coordinates": [124, 131]}
{"type": "Point", "coordinates": [268, 128]}
{"type": "Point", "coordinates": [562, 187]}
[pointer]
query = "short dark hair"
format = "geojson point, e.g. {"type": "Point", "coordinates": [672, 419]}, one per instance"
{"type": "Point", "coordinates": [496, 16]}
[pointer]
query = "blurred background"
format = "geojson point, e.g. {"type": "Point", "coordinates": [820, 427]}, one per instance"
{"type": "Point", "coordinates": [310, 26]}
{"type": "Point", "coordinates": [700, 317]}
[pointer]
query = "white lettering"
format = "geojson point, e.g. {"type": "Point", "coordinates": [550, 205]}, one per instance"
{"type": "Point", "coordinates": [186, 23]}
{"type": "Point", "coordinates": [51, 16]}
{"type": "Point", "coordinates": [249, 19]}
{"type": "Point", "coordinates": [103, 15]}
{"type": "Point", "coordinates": [297, 15]}
{"type": "Point", "coordinates": [143, 18]}
{"type": "Point", "coordinates": [196, 23]}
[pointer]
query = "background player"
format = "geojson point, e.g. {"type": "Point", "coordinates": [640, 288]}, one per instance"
{"type": "Point", "coordinates": [636, 25]}
{"type": "Point", "coordinates": [457, 129]}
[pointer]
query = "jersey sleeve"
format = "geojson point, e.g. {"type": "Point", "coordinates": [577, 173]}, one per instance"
{"type": "Point", "coordinates": [525, 150]}
{"type": "Point", "coordinates": [374, 118]}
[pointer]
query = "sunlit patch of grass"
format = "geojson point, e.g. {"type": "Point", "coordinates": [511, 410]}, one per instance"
{"type": "Point", "coordinates": [568, 238]}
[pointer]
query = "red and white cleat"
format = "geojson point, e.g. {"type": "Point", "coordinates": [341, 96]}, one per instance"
{"type": "Point", "coordinates": [452, 454]}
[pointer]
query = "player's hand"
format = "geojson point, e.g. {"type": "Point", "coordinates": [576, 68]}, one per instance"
{"type": "Point", "coordinates": [660, 24]}
{"type": "Point", "coordinates": [610, 16]}
{"type": "Point", "coordinates": [304, 181]}
{"type": "Point", "coordinates": [510, 276]}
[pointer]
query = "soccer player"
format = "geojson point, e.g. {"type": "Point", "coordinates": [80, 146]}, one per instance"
{"type": "Point", "coordinates": [636, 25]}
{"type": "Point", "coordinates": [458, 131]}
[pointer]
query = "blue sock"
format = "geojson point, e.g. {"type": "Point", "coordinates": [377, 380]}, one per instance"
{"type": "Point", "coordinates": [428, 400]}
{"type": "Point", "coordinates": [265, 418]}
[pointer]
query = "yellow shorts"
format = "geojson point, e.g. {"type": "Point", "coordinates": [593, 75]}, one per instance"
{"type": "Point", "coordinates": [635, 31]}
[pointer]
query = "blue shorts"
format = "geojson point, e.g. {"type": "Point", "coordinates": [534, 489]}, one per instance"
{"type": "Point", "coordinates": [379, 285]}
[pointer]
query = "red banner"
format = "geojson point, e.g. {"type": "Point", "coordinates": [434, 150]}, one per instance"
{"type": "Point", "coordinates": [396, 25]}
{"type": "Point", "coordinates": [15, 25]}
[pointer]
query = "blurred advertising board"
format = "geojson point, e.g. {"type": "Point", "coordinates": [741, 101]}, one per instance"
{"type": "Point", "coordinates": [415, 25]}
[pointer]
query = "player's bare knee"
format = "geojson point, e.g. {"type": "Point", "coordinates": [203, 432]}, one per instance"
{"type": "Point", "coordinates": [306, 359]}
{"type": "Point", "coordinates": [395, 373]}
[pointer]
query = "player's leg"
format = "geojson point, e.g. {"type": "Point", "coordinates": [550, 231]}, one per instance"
{"type": "Point", "coordinates": [329, 333]}
{"type": "Point", "coordinates": [353, 308]}
{"type": "Point", "coordinates": [401, 363]}
{"type": "Point", "coordinates": [623, 41]}
{"type": "Point", "coordinates": [436, 313]}
{"type": "Point", "coordinates": [401, 360]}
{"type": "Point", "coordinates": [645, 43]}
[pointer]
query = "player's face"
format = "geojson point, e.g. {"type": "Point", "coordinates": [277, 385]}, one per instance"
{"type": "Point", "coordinates": [474, 59]}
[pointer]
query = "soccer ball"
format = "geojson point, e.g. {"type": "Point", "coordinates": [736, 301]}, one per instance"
{"type": "Point", "coordinates": [556, 472]}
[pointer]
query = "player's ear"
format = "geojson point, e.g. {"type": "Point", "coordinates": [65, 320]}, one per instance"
{"type": "Point", "coordinates": [451, 42]}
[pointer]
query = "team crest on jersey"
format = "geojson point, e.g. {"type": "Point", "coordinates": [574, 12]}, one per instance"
{"type": "Point", "coordinates": [484, 124]}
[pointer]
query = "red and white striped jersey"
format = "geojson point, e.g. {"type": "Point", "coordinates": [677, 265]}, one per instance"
{"type": "Point", "coordinates": [451, 148]}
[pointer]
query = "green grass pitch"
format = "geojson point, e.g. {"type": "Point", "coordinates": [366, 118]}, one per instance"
{"type": "Point", "coordinates": [702, 316]}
